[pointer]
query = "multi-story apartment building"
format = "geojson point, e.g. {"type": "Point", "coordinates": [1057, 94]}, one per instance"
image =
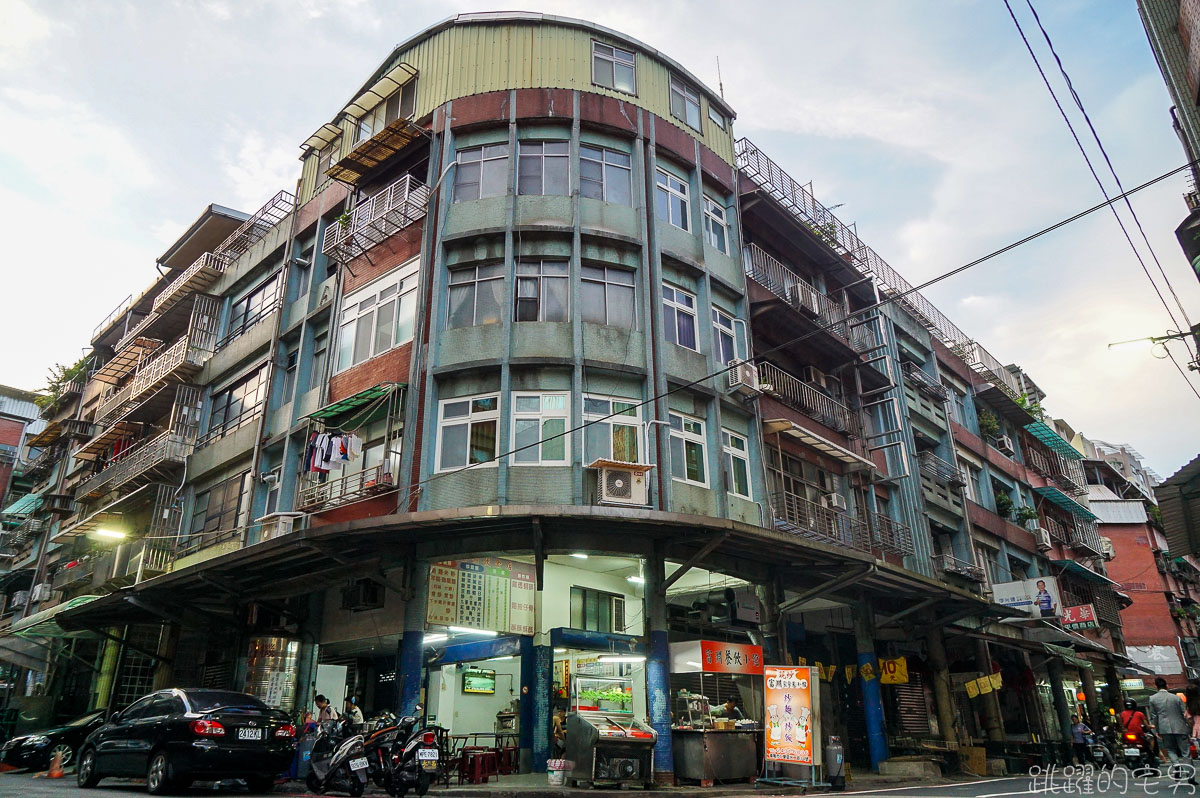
{"type": "Point", "coordinates": [538, 373]}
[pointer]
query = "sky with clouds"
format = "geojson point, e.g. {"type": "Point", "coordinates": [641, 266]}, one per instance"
{"type": "Point", "coordinates": [926, 121]}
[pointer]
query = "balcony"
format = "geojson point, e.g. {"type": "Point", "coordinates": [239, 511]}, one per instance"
{"type": "Point", "coordinates": [197, 277]}
{"type": "Point", "coordinates": [808, 399]}
{"type": "Point", "coordinates": [1067, 474]}
{"type": "Point", "coordinates": [376, 219]}
{"type": "Point", "coordinates": [65, 578]}
{"type": "Point", "coordinates": [141, 560]}
{"type": "Point", "coordinates": [941, 471]}
{"type": "Point", "coordinates": [177, 363]}
{"type": "Point", "coordinates": [799, 516]}
{"type": "Point", "coordinates": [144, 461]}
{"type": "Point", "coordinates": [320, 496]}
{"type": "Point", "coordinates": [889, 536]}
{"type": "Point", "coordinates": [41, 465]}
{"type": "Point", "coordinates": [916, 377]}
{"type": "Point", "coordinates": [29, 529]}
{"type": "Point", "coordinates": [949, 564]}
{"type": "Point", "coordinates": [257, 226]}
{"type": "Point", "coordinates": [793, 289]}
{"type": "Point", "coordinates": [1085, 537]}
{"type": "Point", "coordinates": [117, 312]}
{"type": "Point", "coordinates": [1056, 529]}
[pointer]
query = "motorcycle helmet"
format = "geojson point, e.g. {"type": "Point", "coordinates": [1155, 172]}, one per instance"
{"type": "Point", "coordinates": [1130, 703]}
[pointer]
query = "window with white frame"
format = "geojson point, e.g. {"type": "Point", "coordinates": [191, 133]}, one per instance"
{"type": "Point", "coordinates": [481, 172]}
{"type": "Point", "coordinates": [716, 117]}
{"type": "Point", "coordinates": [607, 296]}
{"type": "Point", "coordinates": [539, 428]}
{"type": "Point", "coordinates": [290, 367]}
{"type": "Point", "coordinates": [605, 174]}
{"type": "Point", "coordinates": [716, 226]}
{"type": "Point", "coordinates": [326, 158]}
{"type": "Point", "coordinates": [544, 167]}
{"type": "Point", "coordinates": [688, 450]}
{"type": "Point", "coordinates": [679, 317]}
{"type": "Point", "coordinates": [320, 358]}
{"type": "Point", "coordinates": [542, 290]}
{"type": "Point", "coordinates": [400, 105]}
{"type": "Point", "coordinates": [685, 102]}
{"type": "Point", "coordinates": [725, 338]}
{"type": "Point", "coordinates": [671, 199]}
{"type": "Point", "coordinates": [378, 316]}
{"type": "Point", "coordinates": [616, 438]}
{"type": "Point", "coordinates": [467, 431]}
{"type": "Point", "coordinates": [737, 463]}
{"type": "Point", "coordinates": [475, 293]}
{"type": "Point", "coordinates": [614, 68]}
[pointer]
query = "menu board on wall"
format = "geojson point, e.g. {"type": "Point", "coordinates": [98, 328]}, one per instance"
{"type": "Point", "coordinates": [487, 593]}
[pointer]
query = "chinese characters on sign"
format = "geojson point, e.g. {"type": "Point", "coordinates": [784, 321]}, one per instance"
{"type": "Point", "coordinates": [893, 671]}
{"type": "Point", "coordinates": [1081, 617]}
{"type": "Point", "coordinates": [730, 657]}
{"type": "Point", "coordinates": [486, 593]}
{"type": "Point", "coordinates": [792, 717]}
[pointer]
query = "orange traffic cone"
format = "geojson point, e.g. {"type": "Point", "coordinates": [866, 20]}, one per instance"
{"type": "Point", "coordinates": [56, 770]}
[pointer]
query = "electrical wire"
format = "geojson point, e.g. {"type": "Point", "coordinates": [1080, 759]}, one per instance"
{"type": "Point", "coordinates": [1124, 195]}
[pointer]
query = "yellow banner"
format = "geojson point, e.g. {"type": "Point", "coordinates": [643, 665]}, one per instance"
{"type": "Point", "coordinates": [893, 671]}
{"type": "Point", "coordinates": [997, 681]}
{"type": "Point", "coordinates": [867, 672]}
{"type": "Point", "coordinates": [850, 673]}
{"type": "Point", "coordinates": [985, 684]}
{"type": "Point", "coordinates": [972, 689]}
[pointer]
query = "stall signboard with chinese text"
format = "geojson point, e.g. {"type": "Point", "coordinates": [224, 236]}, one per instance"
{"type": "Point", "coordinates": [792, 718]}
{"type": "Point", "coordinates": [710, 656]}
{"type": "Point", "coordinates": [485, 593]}
{"type": "Point", "coordinates": [1081, 617]}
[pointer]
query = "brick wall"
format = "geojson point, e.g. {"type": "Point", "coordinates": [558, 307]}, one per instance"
{"type": "Point", "coordinates": [10, 431]}
{"type": "Point", "coordinates": [381, 259]}
{"type": "Point", "coordinates": [391, 366]}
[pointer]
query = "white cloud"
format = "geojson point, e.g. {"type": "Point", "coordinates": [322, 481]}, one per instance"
{"type": "Point", "coordinates": [256, 169]}
{"type": "Point", "coordinates": [24, 30]}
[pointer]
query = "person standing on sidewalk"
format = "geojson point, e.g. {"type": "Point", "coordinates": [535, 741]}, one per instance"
{"type": "Point", "coordinates": [1168, 718]}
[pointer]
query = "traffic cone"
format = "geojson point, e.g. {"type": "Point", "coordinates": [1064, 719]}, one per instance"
{"type": "Point", "coordinates": [56, 770]}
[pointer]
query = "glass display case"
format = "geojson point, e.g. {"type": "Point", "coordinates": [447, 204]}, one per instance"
{"type": "Point", "coordinates": [612, 695]}
{"type": "Point", "coordinates": [605, 742]}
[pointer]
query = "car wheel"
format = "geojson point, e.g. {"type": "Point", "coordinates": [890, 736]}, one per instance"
{"type": "Point", "coordinates": [85, 774]}
{"type": "Point", "coordinates": [258, 785]}
{"type": "Point", "coordinates": [158, 775]}
{"type": "Point", "coordinates": [65, 750]}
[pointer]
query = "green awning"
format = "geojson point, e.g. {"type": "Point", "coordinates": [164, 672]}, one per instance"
{"type": "Point", "coordinates": [1075, 569]}
{"type": "Point", "coordinates": [1064, 501]}
{"type": "Point", "coordinates": [345, 406]}
{"type": "Point", "coordinates": [1053, 440]}
{"type": "Point", "coordinates": [27, 504]}
{"type": "Point", "coordinates": [43, 624]}
{"type": "Point", "coordinates": [1067, 655]}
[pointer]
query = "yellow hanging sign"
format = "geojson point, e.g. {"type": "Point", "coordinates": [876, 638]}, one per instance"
{"type": "Point", "coordinates": [972, 689]}
{"type": "Point", "coordinates": [868, 673]}
{"type": "Point", "coordinates": [849, 673]}
{"type": "Point", "coordinates": [997, 681]}
{"type": "Point", "coordinates": [985, 684]}
{"type": "Point", "coordinates": [893, 671]}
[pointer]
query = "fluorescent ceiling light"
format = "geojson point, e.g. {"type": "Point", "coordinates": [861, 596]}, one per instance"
{"type": "Point", "coordinates": [498, 659]}
{"type": "Point", "coordinates": [637, 580]}
{"type": "Point", "coordinates": [621, 658]}
{"type": "Point", "coordinates": [110, 533]}
{"type": "Point", "coordinates": [560, 651]}
{"type": "Point", "coordinates": [435, 638]}
{"type": "Point", "coordinates": [580, 556]}
{"type": "Point", "coordinates": [465, 631]}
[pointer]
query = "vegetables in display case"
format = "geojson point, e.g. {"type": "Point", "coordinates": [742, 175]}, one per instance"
{"type": "Point", "coordinates": [606, 743]}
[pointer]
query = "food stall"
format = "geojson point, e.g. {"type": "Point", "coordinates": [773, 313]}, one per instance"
{"type": "Point", "coordinates": [606, 743]}
{"type": "Point", "coordinates": [707, 747]}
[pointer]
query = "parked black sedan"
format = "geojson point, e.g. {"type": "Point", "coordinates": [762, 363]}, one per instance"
{"type": "Point", "coordinates": [35, 750]}
{"type": "Point", "coordinates": [174, 737]}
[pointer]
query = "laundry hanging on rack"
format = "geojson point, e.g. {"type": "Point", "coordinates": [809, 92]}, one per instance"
{"type": "Point", "coordinates": [329, 451]}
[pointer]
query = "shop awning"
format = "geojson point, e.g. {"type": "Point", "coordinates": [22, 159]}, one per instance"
{"type": "Point", "coordinates": [44, 623]}
{"type": "Point", "coordinates": [853, 461]}
{"type": "Point", "coordinates": [1056, 496]}
{"type": "Point", "coordinates": [351, 403]}
{"type": "Point", "coordinates": [1075, 569]}
{"type": "Point", "coordinates": [1053, 441]}
{"type": "Point", "coordinates": [27, 504]}
{"type": "Point", "coordinates": [1066, 655]}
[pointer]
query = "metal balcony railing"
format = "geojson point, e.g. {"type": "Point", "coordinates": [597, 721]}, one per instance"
{"type": "Point", "coordinates": [28, 530]}
{"type": "Point", "coordinates": [44, 461]}
{"type": "Point", "coordinates": [915, 376]}
{"type": "Point", "coordinates": [257, 226]}
{"type": "Point", "coordinates": [799, 516]}
{"type": "Point", "coordinates": [143, 459]}
{"type": "Point", "coordinates": [175, 363]}
{"type": "Point", "coordinates": [378, 218]}
{"type": "Point", "coordinates": [116, 313]}
{"type": "Point", "coordinates": [1085, 537]}
{"type": "Point", "coordinates": [200, 275]}
{"type": "Point", "coordinates": [889, 535]}
{"type": "Point", "coordinates": [942, 471]}
{"type": "Point", "coordinates": [784, 283]}
{"type": "Point", "coordinates": [1067, 474]}
{"type": "Point", "coordinates": [1055, 528]}
{"type": "Point", "coordinates": [68, 577]}
{"type": "Point", "coordinates": [808, 399]}
{"type": "Point", "coordinates": [952, 565]}
{"type": "Point", "coordinates": [318, 496]}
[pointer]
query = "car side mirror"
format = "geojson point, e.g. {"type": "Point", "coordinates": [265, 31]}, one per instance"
{"type": "Point", "coordinates": [114, 716]}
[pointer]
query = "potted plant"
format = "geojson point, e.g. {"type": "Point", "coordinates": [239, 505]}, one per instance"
{"type": "Point", "coordinates": [989, 425]}
{"type": "Point", "coordinates": [1025, 514]}
{"type": "Point", "coordinates": [1004, 504]}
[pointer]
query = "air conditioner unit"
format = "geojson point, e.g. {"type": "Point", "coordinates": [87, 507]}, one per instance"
{"type": "Point", "coordinates": [814, 376]}
{"type": "Point", "coordinates": [1004, 445]}
{"type": "Point", "coordinates": [743, 379]}
{"type": "Point", "coordinates": [278, 524]}
{"type": "Point", "coordinates": [20, 598]}
{"type": "Point", "coordinates": [1107, 550]}
{"type": "Point", "coordinates": [1041, 538]}
{"type": "Point", "coordinates": [622, 486]}
{"type": "Point", "coordinates": [802, 295]}
{"type": "Point", "coordinates": [41, 592]}
{"type": "Point", "coordinates": [361, 595]}
{"type": "Point", "coordinates": [834, 501]}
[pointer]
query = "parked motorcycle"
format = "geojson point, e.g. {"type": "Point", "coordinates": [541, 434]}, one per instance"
{"type": "Point", "coordinates": [338, 761]}
{"type": "Point", "coordinates": [1099, 748]}
{"type": "Point", "coordinates": [378, 748]}
{"type": "Point", "coordinates": [415, 758]}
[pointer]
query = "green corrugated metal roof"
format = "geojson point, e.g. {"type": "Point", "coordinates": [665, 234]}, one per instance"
{"type": "Point", "coordinates": [1053, 440]}
{"type": "Point", "coordinates": [1068, 655]}
{"type": "Point", "coordinates": [25, 505]}
{"type": "Point", "coordinates": [1066, 502]}
{"type": "Point", "coordinates": [1084, 573]}
{"type": "Point", "coordinates": [351, 403]}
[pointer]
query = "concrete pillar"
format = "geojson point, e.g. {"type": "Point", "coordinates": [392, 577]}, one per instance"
{"type": "Point", "coordinates": [943, 694]}
{"type": "Point", "coordinates": [774, 644]}
{"type": "Point", "coordinates": [537, 718]}
{"type": "Point", "coordinates": [658, 668]}
{"type": "Point", "coordinates": [164, 672]}
{"type": "Point", "coordinates": [993, 721]}
{"type": "Point", "coordinates": [1116, 697]}
{"type": "Point", "coordinates": [1054, 668]}
{"type": "Point", "coordinates": [864, 642]}
{"type": "Point", "coordinates": [412, 645]}
{"type": "Point", "coordinates": [1088, 679]}
{"type": "Point", "coordinates": [102, 685]}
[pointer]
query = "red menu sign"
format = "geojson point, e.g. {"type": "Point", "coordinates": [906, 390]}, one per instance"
{"type": "Point", "coordinates": [730, 658]}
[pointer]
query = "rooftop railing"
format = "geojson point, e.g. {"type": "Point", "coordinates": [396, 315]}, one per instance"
{"type": "Point", "coordinates": [116, 313]}
{"type": "Point", "coordinates": [808, 399]}
{"type": "Point", "coordinates": [258, 225]}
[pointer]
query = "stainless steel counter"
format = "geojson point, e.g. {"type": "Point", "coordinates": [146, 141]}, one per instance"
{"type": "Point", "coordinates": [711, 755]}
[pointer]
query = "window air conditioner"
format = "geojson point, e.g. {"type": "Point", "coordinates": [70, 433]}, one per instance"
{"type": "Point", "coordinates": [361, 595]}
{"type": "Point", "coordinates": [804, 296]}
{"type": "Point", "coordinates": [278, 524]}
{"type": "Point", "coordinates": [834, 501]}
{"type": "Point", "coordinates": [814, 376]}
{"type": "Point", "coordinates": [1041, 538]}
{"type": "Point", "coordinates": [622, 486]}
{"type": "Point", "coordinates": [743, 379]}
{"type": "Point", "coordinates": [1004, 445]}
{"type": "Point", "coordinates": [20, 598]}
{"type": "Point", "coordinates": [41, 592]}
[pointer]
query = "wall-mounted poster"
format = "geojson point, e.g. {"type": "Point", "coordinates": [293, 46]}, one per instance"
{"type": "Point", "coordinates": [793, 726]}
{"type": "Point", "coordinates": [487, 593]}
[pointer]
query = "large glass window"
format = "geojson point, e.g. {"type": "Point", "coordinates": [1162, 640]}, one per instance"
{"type": "Point", "coordinates": [481, 172]}
{"type": "Point", "coordinates": [679, 317]}
{"type": "Point", "coordinates": [799, 478]}
{"type": "Point", "coordinates": [215, 513]}
{"type": "Point", "coordinates": [716, 228]}
{"type": "Point", "coordinates": [605, 174]}
{"type": "Point", "coordinates": [737, 463]}
{"type": "Point", "coordinates": [400, 105]}
{"type": "Point", "coordinates": [687, 449]}
{"type": "Point", "coordinates": [539, 427]}
{"type": "Point", "coordinates": [614, 68]}
{"type": "Point", "coordinates": [467, 431]}
{"type": "Point", "coordinates": [252, 308]}
{"type": "Point", "coordinates": [544, 167]}
{"type": "Point", "coordinates": [542, 290]}
{"type": "Point", "coordinates": [685, 102]}
{"type": "Point", "coordinates": [671, 199]}
{"type": "Point", "coordinates": [475, 293]}
{"type": "Point", "coordinates": [607, 297]}
{"type": "Point", "coordinates": [378, 316]}
{"type": "Point", "coordinates": [237, 404]}
{"type": "Point", "coordinates": [616, 438]}
{"type": "Point", "coordinates": [320, 359]}
{"type": "Point", "coordinates": [326, 158]}
{"type": "Point", "coordinates": [596, 611]}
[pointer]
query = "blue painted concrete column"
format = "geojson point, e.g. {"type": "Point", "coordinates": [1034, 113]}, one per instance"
{"type": "Point", "coordinates": [539, 701]}
{"type": "Point", "coordinates": [658, 669]}
{"type": "Point", "coordinates": [412, 644]}
{"type": "Point", "coordinates": [872, 700]}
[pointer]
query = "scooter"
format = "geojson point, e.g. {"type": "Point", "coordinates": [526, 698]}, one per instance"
{"type": "Point", "coordinates": [1135, 751]}
{"type": "Point", "coordinates": [1098, 748]}
{"type": "Point", "coordinates": [415, 758]}
{"type": "Point", "coordinates": [337, 761]}
{"type": "Point", "coordinates": [378, 749]}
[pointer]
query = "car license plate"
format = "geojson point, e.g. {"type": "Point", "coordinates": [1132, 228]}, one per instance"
{"type": "Point", "coordinates": [1133, 752]}
{"type": "Point", "coordinates": [250, 734]}
{"type": "Point", "coordinates": [427, 753]}
{"type": "Point", "coordinates": [358, 764]}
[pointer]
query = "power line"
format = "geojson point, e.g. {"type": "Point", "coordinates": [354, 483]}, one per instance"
{"type": "Point", "coordinates": [826, 327]}
{"type": "Point", "coordinates": [1103, 190]}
